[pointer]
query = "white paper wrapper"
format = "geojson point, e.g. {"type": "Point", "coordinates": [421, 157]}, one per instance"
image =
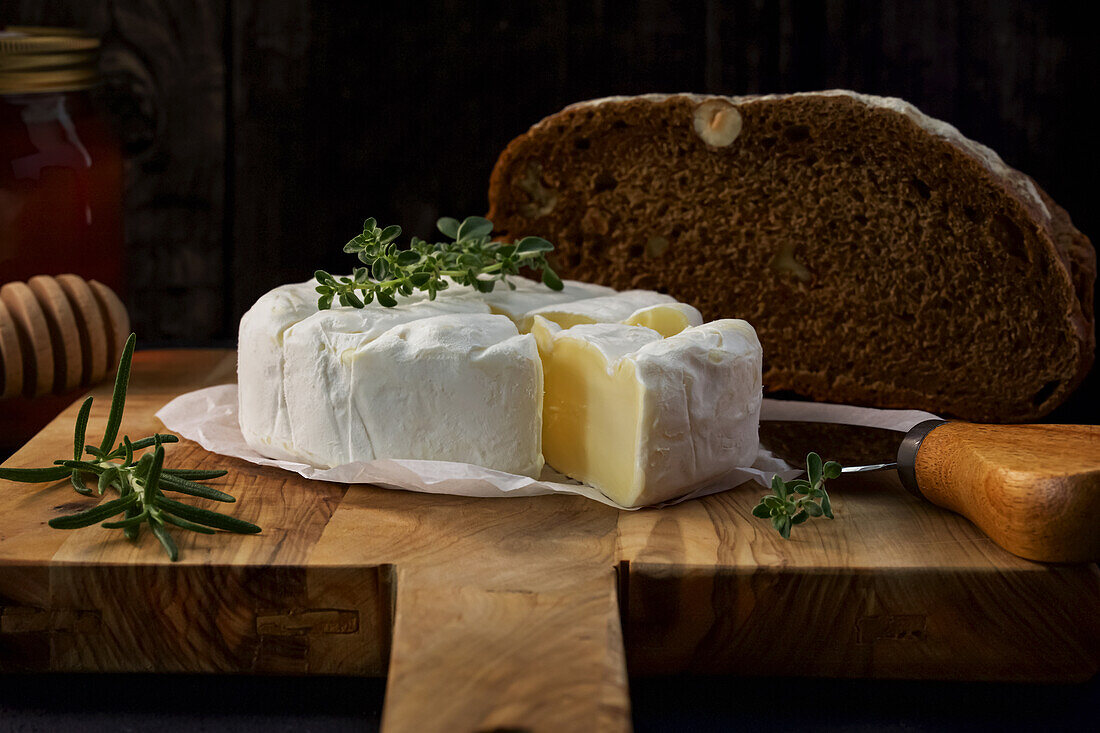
{"type": "Point", "coordinates": [209, 417]}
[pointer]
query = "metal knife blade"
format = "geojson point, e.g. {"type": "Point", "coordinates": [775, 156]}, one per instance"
{"type": "Point", "coordinates": [852, 446]}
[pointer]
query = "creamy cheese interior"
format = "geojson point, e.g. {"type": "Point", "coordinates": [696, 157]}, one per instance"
{"type": "Point", "coordinates": [620, 308]}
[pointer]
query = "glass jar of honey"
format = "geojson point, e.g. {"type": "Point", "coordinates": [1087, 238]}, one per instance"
{"type": "Point", "coordinates": [60, 183]}
{"type": "Point", "coordinates": [60, 167]}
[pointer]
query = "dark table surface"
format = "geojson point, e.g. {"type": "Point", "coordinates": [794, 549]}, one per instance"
{"type": "Point", "coordinates": [271, 704]}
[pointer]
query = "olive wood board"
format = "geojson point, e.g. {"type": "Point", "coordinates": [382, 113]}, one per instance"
{"type": "Point", "coordinates": [521, 613]}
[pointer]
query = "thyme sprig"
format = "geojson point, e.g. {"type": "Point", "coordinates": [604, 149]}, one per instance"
{"type": "Point", "coordinates": [472, 259]}
{"type": "Point", "coordinates": [140, 480]}
{"type": "Point", "coordinates": [793, 502]}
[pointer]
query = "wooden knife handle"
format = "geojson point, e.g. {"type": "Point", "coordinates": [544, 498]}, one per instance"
{"type": "Point", "coordinates": [1034, 489]}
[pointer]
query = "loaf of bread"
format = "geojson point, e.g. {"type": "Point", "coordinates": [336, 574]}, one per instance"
{"type": "Point", "coordinates": [883, 258]}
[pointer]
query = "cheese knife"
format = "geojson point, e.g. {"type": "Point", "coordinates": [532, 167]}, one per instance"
{"type": "Point", "coordinates": [1033, 489]}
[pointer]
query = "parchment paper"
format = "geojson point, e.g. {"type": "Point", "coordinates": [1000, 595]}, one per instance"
{"type": "Point", "coordinates": [209, 417]}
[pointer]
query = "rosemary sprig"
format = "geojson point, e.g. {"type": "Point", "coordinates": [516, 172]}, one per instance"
{"type": "Point", "coordinates": [140, 480]}
{"type": "Point", "coordinates": [793, 502]}
{"type": "Point", "coordinates": [472, 259]}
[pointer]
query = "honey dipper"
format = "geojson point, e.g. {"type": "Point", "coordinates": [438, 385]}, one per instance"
{"type": "Point", "coordinates": [58, 333]}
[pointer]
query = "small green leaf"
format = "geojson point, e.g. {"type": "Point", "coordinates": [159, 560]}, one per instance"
{"type": "Point", "coordinates": [118, 397]}
{"type": "Point", "coordinates": [192, 474]}
{"type": "Point", "coordinates": [533, 245]}
{"type": "Point", "coordinates": [813, 509]}
{"type": "Point", "coordinates": [761, 510]}
{"type": "Point", "coordinates": [94, 515]}
{"type": "Point", "coordinates": [826, 506]}
{"type": "Point", "coordinates": [183, 523]}
{"type": "Point", "coordinates": [408, 257]}
{"type": "Point", "coordinates": [813, 468]}
{"type": "Point", "coordinates": [81, 428]}
{"type": "Point", "coordinates": [205, 516]}
{"type": "Point", "coordinates": [474, 226]}
{"type": "Point", "coordinates": [380, 270]}
{"type": "Point", "coordinates": [779, 487]}
{"type": "Point", "coordinates": [385, 299]}
{"type": "Point", "coordinates": [800, 486]}
{"type": "Point", "coordinates": [551, 280]}
{"type": "Point", "coordinates": [324, 302]}
{"type": "Point", "coordinates": [166, 540]}
{"type": "Point", "coordinates": [448, 226]}
{"type": "Point", "coordinates": [832, 469]}
{"type": "Point", "coordinates": [35, 475]}
{"type": "Point", "coordinates": [170, 482]}
{"type": "Point", "coordinates": [389, 234]}
{"type": "Point", "coordinates": [799, 518]}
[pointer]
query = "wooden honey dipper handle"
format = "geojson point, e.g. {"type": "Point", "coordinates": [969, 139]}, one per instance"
{"type": "Point", "coordinates": [57, 334]}
{"type": "Point", "coordinates": [1034, 489]}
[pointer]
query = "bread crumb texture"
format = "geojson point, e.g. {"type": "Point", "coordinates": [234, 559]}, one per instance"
{"type": "Point", "coordinates": [884, 259]}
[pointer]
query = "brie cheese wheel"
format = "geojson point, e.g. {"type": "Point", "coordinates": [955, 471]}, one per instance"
{"type": "Point", "coordinates": [457, 379]}
{"type": "Point", "coordinates": [645, 418]}
{"type": "Point", "coordinates": [662, 313]}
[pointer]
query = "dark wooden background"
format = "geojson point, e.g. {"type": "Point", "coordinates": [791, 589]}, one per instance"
{"type": "Point", "coordinates": [260, 134]}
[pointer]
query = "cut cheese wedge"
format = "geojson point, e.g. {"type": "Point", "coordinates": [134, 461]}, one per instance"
{"type": "Point", "coordinates": [662, 313]}
{"type": "Point", "coordinates": [644, 418]}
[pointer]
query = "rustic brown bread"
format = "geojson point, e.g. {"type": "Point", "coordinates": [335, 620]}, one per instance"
{"type": "Point", "coordinates": [883, 258]}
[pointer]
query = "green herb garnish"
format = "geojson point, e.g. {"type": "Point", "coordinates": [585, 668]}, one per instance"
{"type": "Point", "coordinates": [793, 502]}
{"type": "Point", "coordinates": [472, 259]}
{"type": "Point", "coordinates": [140, 482]}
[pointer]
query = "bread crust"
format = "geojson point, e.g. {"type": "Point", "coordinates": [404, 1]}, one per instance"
{"type": "Point", "coordinates": [1053, 255]}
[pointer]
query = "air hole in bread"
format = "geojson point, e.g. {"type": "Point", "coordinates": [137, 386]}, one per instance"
{"type": "Point", "coordinates": [860, 219]}
{"type": "Point", "coordinates": [768, 142]}
{"type": "Point", "coordinates": [1045, 392]}
{"type": "Point", "coordinates": [618, 125]}
{"type": "Point", "coordinates": [921, 188]}
{"type": "Point", "coordinates": [635, 251]}
{"type": "Point", "coordinates": [906, 317]}
{"type": "Point", "coordinates": [857, 196]}
{"type": "Point", "coordinates": [970, 213]}
{"type": "Point", "coordinates": [1005, 231]}
{"type": "Point", "coordinates": [604, 182]}
{"type": "Point", "coordinates": [796, 134]}
{"type": "Point", "coordinates": [582, 143]}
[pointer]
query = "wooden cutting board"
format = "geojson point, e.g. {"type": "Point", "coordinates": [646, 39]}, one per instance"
{"type": "Point", "coordinates": [513, 613]}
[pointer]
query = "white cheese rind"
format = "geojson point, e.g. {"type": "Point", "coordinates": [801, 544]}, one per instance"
{"type": "Point", "coordinates": [261, 401]}
{"type": "Point", "coordinates": [459, 387]}
{"type": "Point", "coordinates": [326, 428]}
{"type": "Point", "coordinates": [703, 392]}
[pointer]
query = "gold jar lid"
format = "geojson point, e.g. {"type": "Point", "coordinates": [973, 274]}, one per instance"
{"type": "Point", "coordinates": [35, 59]}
